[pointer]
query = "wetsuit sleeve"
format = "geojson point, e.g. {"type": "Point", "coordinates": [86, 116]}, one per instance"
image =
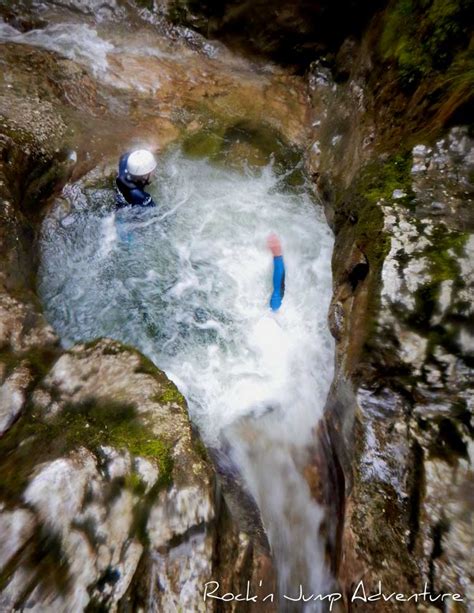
{"type": "Point", "coordinates": [278, 283]}
{"type": "Point", "coordinates": [141, 198]}
{"type": "Point", "coordinates": [123, 165]}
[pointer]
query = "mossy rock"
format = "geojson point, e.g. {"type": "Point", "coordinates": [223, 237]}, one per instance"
{"type": "Point", "coordinates": [378, 179]}
{"type": "Point", "coordinates": [38, 359]}
{"type": "Point", "coordinates": [172, 395]}
{"type": "Point", "coordinates": [134, 483]}
{"type": "Point", "coordinates": [205, 143]}
{"type": "Point", "coordinates": [445, 247]}
{"type": "Point", "coordinates": [425, 37]}
{"type": "Point", "coordinates": [246, 145]}
{"type": "Point", "coordinates": [145, 4]}
{"type": "Point", "coordinates": [358, 209]}
{"type": "Point", "coordinates": [359, 222]}
{"type": "Point", "coordinates": [33, 440]}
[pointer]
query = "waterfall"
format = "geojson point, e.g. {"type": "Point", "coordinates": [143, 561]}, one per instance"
{"type": "Point", "coordinates": [188, 283]}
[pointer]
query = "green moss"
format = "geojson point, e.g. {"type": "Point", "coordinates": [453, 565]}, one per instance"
{"type": "Point", "coordinates": [206, 143]}
{"type": "Point", "coordinates": [145, 4]}
{"type": "Point", "coordinates": [146, 365]}
{"type": "Point", "coordinates": [32, 441]}
{"type": "Point", "coordinates": [93, 344]}
{"type": "Point", "coordinates": [370, 237]}
{"type": "Point", "coordinates": [141, 511]}
{"type": "Point", "coordinates": [379, 179]}
{"type": "Point", "coordinates": [200, 448]}
{"type": "Point", "coordinates": [171, 394]}
{"type": "Point", "coordinates": [39, 360]}
{"type": "Point", "coordinates": [375, 182]}
{"type": "Point", "coordinates": [442, 254]}
{"type": "Point", "coordinates": [134, 483]}
{"type": "Point", "coordinates": [425, 36]}
{"type": "Point", "coordinates": [245, 143]}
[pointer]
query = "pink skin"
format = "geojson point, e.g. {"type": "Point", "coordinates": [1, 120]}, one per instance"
{"type": "Point", "coordinates": [273, 243]}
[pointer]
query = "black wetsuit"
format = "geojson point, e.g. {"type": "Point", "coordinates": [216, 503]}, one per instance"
{"type": "Point", "coordinates": [130, 192]}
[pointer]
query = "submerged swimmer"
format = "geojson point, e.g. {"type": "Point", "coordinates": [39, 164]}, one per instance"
{"type": "Point", "coordinates": [274, 245]}
{"type": "Point", "coordinates": [134, 174]}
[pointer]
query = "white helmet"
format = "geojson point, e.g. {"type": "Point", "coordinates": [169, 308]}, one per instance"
{"type": "Point", "coordinates": [141, 162]}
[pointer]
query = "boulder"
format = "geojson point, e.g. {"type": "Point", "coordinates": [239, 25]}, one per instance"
{"type": "Point", "coordinates": [118, 489]}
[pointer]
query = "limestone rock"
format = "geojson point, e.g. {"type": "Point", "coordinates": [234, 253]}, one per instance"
{"type": "Point", "coordinates": [16, 528]}
{"type": "Point", "coordinates": [176, 512]}
{"type": "Point", "coordinates": [116, 484]}
{"type": "Point", "coordinates": [21, 327]}
{"type": "Point", "coordinates": [13, 396]}
{"type": "Point", "coordinates": [147, 471]}
{"type": "Point", "coordinates": [406, 519]}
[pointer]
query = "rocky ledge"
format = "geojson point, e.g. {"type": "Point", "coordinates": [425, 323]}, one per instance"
{"type": "Point", "coordinates": [108, 498]}
{"type": "Point", "coordinates": [398, 432]}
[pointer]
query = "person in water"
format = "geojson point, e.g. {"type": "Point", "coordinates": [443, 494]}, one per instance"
{"type": "Point", "coordinates": [274, 245]}
{"type": "Point", "coordinates": [134, 174]}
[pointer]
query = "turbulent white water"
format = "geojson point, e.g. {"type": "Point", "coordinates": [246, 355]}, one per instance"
{"type": "Point", "coordinates": [189, 283]}
{"type": "Point", "coordinates": [91, 44]}
{"type": "Point", "coordinates": [75, 41]}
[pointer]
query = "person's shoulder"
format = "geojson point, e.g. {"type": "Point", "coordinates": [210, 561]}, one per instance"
{"type": "Point", "coordinates": [123, 163]}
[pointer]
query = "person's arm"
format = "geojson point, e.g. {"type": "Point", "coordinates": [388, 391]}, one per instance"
{"type": "Point", "coordinates": [278, 272]}
{"type": "Point", "coordinates": [141, 198]}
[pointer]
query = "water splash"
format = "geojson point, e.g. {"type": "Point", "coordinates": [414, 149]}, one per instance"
{"type": "Point", "coordinates": [77, 42]}
{"type": "Point", "coordinates": [188, 283]}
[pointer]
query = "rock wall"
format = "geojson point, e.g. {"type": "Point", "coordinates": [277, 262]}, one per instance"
{"type": "Point", "coordinates": [290, 33]}
{"type": "Point", "coordinates": [399, 417]}
{"type": "Point", "coordinates": [108, 497]}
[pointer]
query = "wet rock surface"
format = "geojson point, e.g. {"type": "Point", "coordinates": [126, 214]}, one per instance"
{"type": "Point", "coordinates": [399, 415]}
{"type": "Point", "coordinates": [103, 478]}
{"type": "Point", "coordinates": [417, 429]}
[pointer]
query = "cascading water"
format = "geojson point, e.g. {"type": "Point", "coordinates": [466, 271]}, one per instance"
{"type": "Point", "coordinates": [188, 283]}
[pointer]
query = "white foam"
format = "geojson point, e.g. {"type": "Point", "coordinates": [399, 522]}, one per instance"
{"type": "Point", "coordinates": [191, 290]}
{"type": "Point", "coordinates": [74, 41]}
